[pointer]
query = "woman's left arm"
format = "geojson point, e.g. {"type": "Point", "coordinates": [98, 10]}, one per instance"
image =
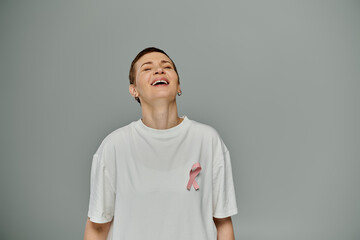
{"type": "Point", "coordinates": [224, 228]}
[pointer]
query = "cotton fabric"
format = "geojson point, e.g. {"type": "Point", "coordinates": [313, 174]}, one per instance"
{"type": "Point", "coordinates": [139, 178]}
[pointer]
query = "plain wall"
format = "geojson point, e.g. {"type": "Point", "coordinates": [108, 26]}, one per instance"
{"type": "Point", "coordinates": [279, 80]}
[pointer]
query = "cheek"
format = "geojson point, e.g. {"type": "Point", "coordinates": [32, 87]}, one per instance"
{"type": "Point", "coordinates": [173, 74]}
{"type": "Point", "coordinates": [143, 76]}
{"type": "Point", "coordinates": [176, 76]}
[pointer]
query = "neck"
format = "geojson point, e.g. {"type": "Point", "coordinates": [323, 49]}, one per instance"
{"type": "Point", "coordinates": [160, 116]}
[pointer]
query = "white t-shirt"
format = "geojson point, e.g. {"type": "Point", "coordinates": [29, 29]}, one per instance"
{"type": "Point", "coordinates": [139, 177]}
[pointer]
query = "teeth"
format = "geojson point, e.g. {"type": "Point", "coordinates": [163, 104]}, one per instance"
{"type": "Point", "coordinates": [159, 81]}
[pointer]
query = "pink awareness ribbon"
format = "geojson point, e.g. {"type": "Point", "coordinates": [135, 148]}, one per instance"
{"type": "Point", "coordinates": [194, 171]}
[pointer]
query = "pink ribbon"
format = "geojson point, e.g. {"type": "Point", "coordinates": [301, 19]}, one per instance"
{"type": "Point", "coordinates": [194, 171]}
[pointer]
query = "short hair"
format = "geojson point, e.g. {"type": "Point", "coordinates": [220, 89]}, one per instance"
{"type": "Point", "coordinates": [132, 71]}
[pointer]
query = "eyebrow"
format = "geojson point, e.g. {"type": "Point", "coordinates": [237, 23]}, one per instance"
{"type": "Point", "coordinates": [162, 61]}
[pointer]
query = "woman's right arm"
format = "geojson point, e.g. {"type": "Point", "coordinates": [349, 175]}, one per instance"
{"type": "Point", "coordinates": [96, 231]}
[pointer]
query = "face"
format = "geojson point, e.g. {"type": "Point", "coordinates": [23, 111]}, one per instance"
{"type": "Point", "coordinates": [150, 68]}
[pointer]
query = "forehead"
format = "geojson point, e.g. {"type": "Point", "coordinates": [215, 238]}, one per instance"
{"type": "Point", "coordinates": [152, 57]}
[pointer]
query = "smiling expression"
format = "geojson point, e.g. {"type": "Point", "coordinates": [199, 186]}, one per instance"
{"type": "Point", "coordinates": [153, 67]}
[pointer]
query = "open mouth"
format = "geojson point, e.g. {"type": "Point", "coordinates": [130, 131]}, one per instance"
{"type": "Point", "coordinates": [160, 82]}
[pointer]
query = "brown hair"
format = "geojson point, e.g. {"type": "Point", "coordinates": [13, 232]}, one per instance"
{"type": "Point", "coordinates": [132, 74]}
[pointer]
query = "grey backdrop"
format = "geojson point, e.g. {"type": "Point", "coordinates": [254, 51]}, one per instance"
{"type": "Point", "coordinates": [279, 80]}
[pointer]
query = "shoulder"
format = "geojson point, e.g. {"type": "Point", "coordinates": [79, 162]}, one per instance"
{"type": "Point", "coordinates": [210, 133]}
{"type": "Point", "coordinates": [114, 138]}
{"type": "Point", "coordinates": [204, 129]}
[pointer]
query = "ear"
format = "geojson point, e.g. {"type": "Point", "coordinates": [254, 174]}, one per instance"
{"type": "Point", "coordinates": [132, 90]}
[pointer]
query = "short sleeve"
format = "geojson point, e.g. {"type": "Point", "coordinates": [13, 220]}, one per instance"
{"type": "Point", "coordinates": [102, 193]}
{"type": "Point", "coordinates": [224, 198]}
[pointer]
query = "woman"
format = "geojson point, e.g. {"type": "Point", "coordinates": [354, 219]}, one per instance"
{"type": "Point", "coordinates": [162, 176]}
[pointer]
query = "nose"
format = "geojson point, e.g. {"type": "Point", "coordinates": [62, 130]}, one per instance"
{"type": "Point", "coordinates": [159, 70]}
